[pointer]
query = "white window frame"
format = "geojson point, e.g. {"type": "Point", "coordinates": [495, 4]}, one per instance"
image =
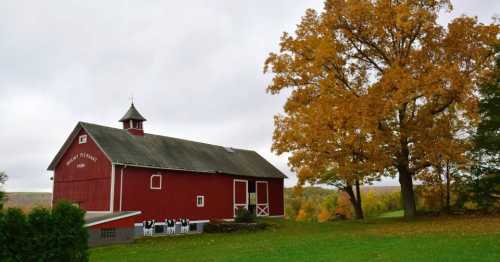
{"type": "Point", "coordinates": [151, 182]}
{"type": "Point", "coordinates": [82, 139]}
{"type": "Point", "coordinates": [202, 201]}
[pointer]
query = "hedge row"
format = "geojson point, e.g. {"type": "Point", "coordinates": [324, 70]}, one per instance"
{"type": "Point", "coordinates": [228, 227]}
{"type": "Point", "coordinates": [43, 234]}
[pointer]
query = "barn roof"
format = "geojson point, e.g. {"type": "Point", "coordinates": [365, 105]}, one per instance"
{"type": "Point", "coordinates": [132, 114]}
{"type": "Point", "coordinates": [164, 152]}
{"type": "Point", "coordinates": [93, 218]}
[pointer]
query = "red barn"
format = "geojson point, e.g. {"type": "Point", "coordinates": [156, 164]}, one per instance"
{"type": "Point", "coordinates": [109, 170]}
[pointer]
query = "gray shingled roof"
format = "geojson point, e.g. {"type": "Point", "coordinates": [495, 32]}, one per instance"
{"type": "Point", "coordinates": [173, 153]}
{"type": "Point", "coordinates": [132, 114]}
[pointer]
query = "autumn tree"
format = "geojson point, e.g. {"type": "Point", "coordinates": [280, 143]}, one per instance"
{"type": "Point", "coordinates": [383, 73]}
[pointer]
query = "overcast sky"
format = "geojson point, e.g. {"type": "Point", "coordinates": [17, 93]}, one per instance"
{"type": "Point", "coordinates": [194, 69]}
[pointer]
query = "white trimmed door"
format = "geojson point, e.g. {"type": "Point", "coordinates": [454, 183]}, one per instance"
{"type": "Point", "coordinates": [262, 192]}
{"type": "Point", "coordinates": [240, 195]}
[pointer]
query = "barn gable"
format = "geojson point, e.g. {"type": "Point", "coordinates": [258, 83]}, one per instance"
{"type": "Point", "coordinates": [161, 152]}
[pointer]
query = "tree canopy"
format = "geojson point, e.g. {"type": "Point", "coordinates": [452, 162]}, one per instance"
{"type": "Point", "coordinates": [379, 86]}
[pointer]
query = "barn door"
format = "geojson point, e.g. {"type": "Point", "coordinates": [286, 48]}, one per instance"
{"type": "Point", "coordinates": [240, 195]}
{"type": "Point", "coordinates": [261, 188]}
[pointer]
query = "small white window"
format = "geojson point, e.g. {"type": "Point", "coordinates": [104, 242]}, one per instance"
{"type": "Point", "coordinates": [82, 139]}
{"type": "Point", "coordinates": [155, 182]}
{"type": "Point", "coordinates": [200, 201]}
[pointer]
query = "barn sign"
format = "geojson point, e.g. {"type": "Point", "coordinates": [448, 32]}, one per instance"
{"type": "Point", "coordinates": [82, 155]}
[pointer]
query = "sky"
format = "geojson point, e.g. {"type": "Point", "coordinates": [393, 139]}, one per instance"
{"type": "Point", "coordinates": [193, 68]}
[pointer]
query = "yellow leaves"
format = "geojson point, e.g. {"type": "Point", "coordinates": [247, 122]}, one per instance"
{"type": "Point", "coordinates": [368, 77]}
{"type": "Point", "coordinates": [324, 215]}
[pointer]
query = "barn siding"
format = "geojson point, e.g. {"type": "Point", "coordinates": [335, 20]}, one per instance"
{"type": "Point", "coordinates": [276, 197]}
{"type": "Point", "coordinates": [87, 185]}
{"type": "Point", "coordinates": [116, 204]}
{"type": "Point", "coordinates": [127, 222]}
{"type": "Point", "coordinates": [177, 197]}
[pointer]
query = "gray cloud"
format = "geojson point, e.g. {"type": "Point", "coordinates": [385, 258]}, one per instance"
{"type": "Point", "coordinates": [193, 67]}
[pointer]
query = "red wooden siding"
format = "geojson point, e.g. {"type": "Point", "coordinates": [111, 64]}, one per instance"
{"type": "Point", "coordinates": [136, 132]}
{"type": "Point", "coordinates": [240, 195]}
{"type": "Point", "coordinates": [177, 196]}
{"type": "Point", "coordinates": [261, 193]}
{"type": "Point", "coordinates": [276, 197]}
{"type": "Point", "coordinates": [127, 222]}
{"type": "Point", "coordinates": [116, 199]}
{"type": "Point", "coordinates": [83, 176]}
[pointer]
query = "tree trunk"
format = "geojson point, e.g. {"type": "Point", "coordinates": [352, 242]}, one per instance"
{"type": "Point", "coordinates": [405, 175]}
{"type": "Point", "coordinates": [447, 186]}
{"type": "Point", "coordinates": [407, 194]}
{"type": "Point", "coordinates": [355, 200]}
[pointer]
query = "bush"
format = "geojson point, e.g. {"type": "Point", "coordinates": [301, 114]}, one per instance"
{"type": "Point", "coordinates": [71, 236]}
{"type": "Point", "coordinates": [2, 199]}
{"type": "Point", "coordinates": [228, 227]}
{"type": "Point", "coordinates": [43, 227]}
{"type": "Point", "coordinates": [43, 235]}
{"type": "Point", "coordinates": [377, 203]}
{"type": "Point", "coordinates": [244, 215]}
{"type": "Point", "coordinates": [15, 231]}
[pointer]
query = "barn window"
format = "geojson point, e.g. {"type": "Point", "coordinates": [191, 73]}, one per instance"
{"type": "Point", "coordinates": [82, 139]}
{"type": "Point", "coordinates": [200, 201]}
{"type": "Point", "coordinates": [108, 233]}
{"type": "Point", "coordinates": [155, 182]}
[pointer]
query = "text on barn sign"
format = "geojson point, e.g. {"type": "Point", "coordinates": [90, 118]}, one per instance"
{"type": "Point", "coordinates": [82, 155]}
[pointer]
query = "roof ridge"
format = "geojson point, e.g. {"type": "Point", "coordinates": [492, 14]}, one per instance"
{"type": "Point", "coordinates": [198, 142]}
{"type": "Point", "coordinates": [171, 137]}
{"type": "Point", "coordinates": [165, 152]}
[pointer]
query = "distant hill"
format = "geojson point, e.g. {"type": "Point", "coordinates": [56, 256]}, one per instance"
{"type": "Point", "coordinates": [28, 200]}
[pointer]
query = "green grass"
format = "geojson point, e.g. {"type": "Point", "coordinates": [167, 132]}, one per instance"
{"type": "Point", "coordinates": [397, 213]}
{"type": "Point", "coordinates": [388, 239]}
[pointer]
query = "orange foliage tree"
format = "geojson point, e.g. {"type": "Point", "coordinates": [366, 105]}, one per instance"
{"type": "Point", "coordinates": [378, 84]}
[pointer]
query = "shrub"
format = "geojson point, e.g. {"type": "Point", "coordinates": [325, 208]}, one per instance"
{"type": "Point", "coordinates": [244, 215]}
{"type": "Point", "coordinates": [228, 227]}
{"type": "Point", "coordinates": [71, 236]}
{"type": "Point", "coordinates": [2, 199]}
{"type": "Point", "coordinates": [43, 235]}
{"type": "Point", "coordinates": [15, 231]}
{"type": "Point", "coordinates": [377, 203]}
{"type": "Point", "coordinates": [43, 228]}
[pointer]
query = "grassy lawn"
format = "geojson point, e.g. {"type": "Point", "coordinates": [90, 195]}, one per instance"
{"type": "Point", "coordinates": [384, 239]}
{"type": "Point", "coordinates": [397, 213]}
